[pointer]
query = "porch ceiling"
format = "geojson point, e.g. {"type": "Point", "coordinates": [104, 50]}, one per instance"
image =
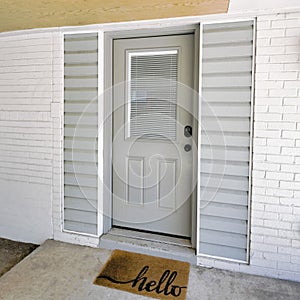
{"type": "Point", "coordinates": [27, 14]}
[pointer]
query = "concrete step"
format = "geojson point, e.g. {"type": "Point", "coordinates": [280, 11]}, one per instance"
{"type": "Point", "coordinates": [161, 249]}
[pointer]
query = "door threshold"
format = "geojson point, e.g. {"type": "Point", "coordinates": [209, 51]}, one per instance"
{"type": "Point", "coordinates": [150, 236]}
{"type": "Point", "coordinates": [149, 243]}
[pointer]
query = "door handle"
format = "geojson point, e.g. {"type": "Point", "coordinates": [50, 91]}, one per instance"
{"type": "Point", "coordinates": [188, 131]}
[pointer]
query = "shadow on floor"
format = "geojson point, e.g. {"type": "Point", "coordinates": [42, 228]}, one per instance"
{"type": "Point", "coordinates": [12, 252]}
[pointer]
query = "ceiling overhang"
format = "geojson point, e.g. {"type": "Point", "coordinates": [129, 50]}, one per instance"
{"type": "Point", "coordinates": [28, 14]}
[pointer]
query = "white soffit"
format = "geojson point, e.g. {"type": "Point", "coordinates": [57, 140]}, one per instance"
{"type": "Point", "coordinates": [238, 6]}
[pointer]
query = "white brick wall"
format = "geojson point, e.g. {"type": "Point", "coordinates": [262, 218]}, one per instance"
{"type": "Point", "coordinates": [278, 112]}
{"type": "Point", "coordinates": [26, 137]}
{"type": "Point", "coordinates": [275, 224]}
{"type": "Point", "coordinates": [31, 90]}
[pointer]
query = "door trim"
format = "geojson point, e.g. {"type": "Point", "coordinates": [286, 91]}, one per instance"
{"type": "Point", "coordinates": [108, 110]}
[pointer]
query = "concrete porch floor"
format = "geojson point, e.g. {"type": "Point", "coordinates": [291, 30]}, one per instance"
{"type": "Point", "coordinates": [64, 271]}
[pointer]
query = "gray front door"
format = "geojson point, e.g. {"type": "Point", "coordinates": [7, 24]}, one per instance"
{"type": "Point", "coordinates": [152, 142]}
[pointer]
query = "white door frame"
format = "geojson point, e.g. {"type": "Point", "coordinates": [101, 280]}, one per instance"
{"type": "Point", "coordinates": [108, 109]}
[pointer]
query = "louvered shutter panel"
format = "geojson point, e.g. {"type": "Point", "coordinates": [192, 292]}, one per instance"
{"type": "Point", "coordinates": [153, 94]}
{"type": "Point", "coordinates": [80, 132]}
{"type": "Point", "coordinates": [225, 139]}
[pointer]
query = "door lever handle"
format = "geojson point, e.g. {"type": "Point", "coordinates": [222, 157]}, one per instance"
{"type": "Point", "coordinates": [188, 131]}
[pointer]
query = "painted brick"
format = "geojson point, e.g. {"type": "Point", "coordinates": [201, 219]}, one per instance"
{"type": "Point", "coordinates": [283, 93]}
{"type": "Point", "coordinates": [277, 95]}
{"type": "Point", "coordinates": [297, 212]}
{"type": "Point", "coordinates": [267, 149]}
{"type": "Point", "coordinates": [287, 217]}
{"type": "Point", "coordinates": [295, 259]}
{"type": "Point", "coordinates": [265, 182]}
{"type": "Point", "coordinates": [257, 222]}
{"type": "Point", "coordinates": [285, 23]}
{"type": "Point", "coordinates": [292, 15]}
{"type": "Point", "coordinates": [259, 157]}
{"type": "Point", "coordinates": [266, 199]}
{"type": "Point", "coordinates": [261, 109]}
{"type": "Point", "coordinates": [289, 250]}
{"type": "Point", "coordinates": [290, 201]}
{"type": "Point", "coordinates": [280, 158]}
{"type": "Point", "coordinates": [279, 176]}
{"type": "Point", "coordinates": [261, 93]}
{"type": "Point", "coordinates": [270, 17]}
{"type": "Point", "coordinates": [290, 151]}
{"type": "Point", "coordinates": [267, 133]}
{"type": "Point", "coordinates": [284, 110]}
{"type": "Point", "coordinates": [284, 58]}
{"type": "Point", "coordinates": [258, 190]}
{"type": "Point", "coordinates": [289, 267]}
{"type": "Point", "coordinates": [281, 142]}
{"type": "Point", "coordinates": [296, 243]}
{"type": "Point", "coordinates": [278, 209]}
{"type": "Point", "coordinates": [270, 84]}
{"type": "Point", "coordinates": [263, 42]}
{"type": "Point", "coordinates": [256, 254]}
{"type": "Point", "coordinates": [291, 101]}
{"type": "Point", "coordinates": [290, 184]}
{"type": "Point", "coordinates": [282, 124]}
{"type": "Point", "coordinates": [292, 32]}
{"type": "Point", "coordinates": [270, 33]}
{"type": "Point", "coordinates": [264, 231]}
{"type": "Point", "coordinates": [262, 76]}
{"type": "Point", "coordinates": [264, 263]}
{"type": "Point", "coordinates": [264, 247]}
{"type": "Point", "coordinates": [291, 84]}
{"type": "Point", "coordinates": [277, 241]}
{"type": "Point", "coordinates": [262, 59]}
{"type": "Point", "coordinates": [257, 238]}
{"type": "Point", "coordinates": [292, 67]}
{"type": "Point", "coordinates": [295, 226]}
{"type": "Point", "coordinates": [268, 101]}
{"type": "Point", "coordinates": [258, 206]}
{"type": "Point", "coordinates": [260, 125]}
{"type": "Point", "coordinates": [289, 134]}
{"type": "Point", "coordinates": [270, 50]}
{"type": "Point", "coordinates": [277, 257]}
{"type": "Point", "coordinates": [259, 174]}
{"type": "Point", "coordinates": [288, 234]}
{"type": "Point", "coordinates": [278, 224]}
{"type": "Point", "coordinates": [297, 160]}
{"type": "Point", "coordinates": [292, 49]}
{"type": "Point", "coordinates": [259, 141]}
{"type": "Point", "coordinates": [285, 41]}
{"type": "Point", "coordinates": [265, 166]}
{"type": "Point", "coordinates": [261, 25]}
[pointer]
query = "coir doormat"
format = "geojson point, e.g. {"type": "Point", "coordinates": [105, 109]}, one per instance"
{"type": "Point", "coordinates": [146, 275]}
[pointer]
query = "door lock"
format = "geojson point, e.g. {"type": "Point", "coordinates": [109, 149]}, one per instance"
{"type": "Point", "coordinates": [187, 148]}
{"type": "Point", "coordinates": [188, 131]}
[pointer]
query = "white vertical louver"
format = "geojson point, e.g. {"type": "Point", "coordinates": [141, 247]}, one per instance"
{"type": "Point", "coordinates": [152, 94]}
{"type": "Point", "coordinates": [225, 139]}
{"type": "Point", "coordinates": [80, 132]}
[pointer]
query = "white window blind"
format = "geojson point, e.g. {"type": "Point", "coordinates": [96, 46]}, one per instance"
{"type": "Point", "coordinates": [80, 132]}
{"type": "Point", "coordinates": [152, 94]}
{"type": "Point", "coordinates": [225, 139]}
